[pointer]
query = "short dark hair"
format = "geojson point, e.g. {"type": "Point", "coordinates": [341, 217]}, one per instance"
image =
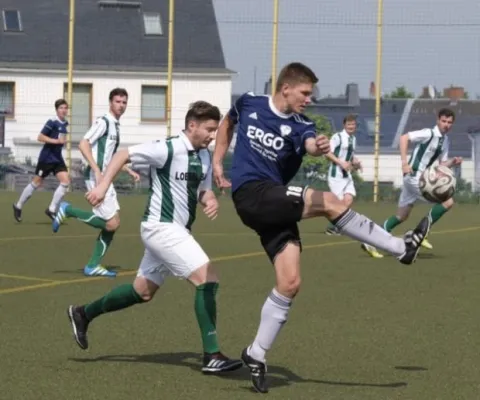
{"type": "Point", "coordinates": [202, 111]}
{"type": "Point", "coordinates": [117, 92]}
{"type": "Point", "coordinates": [295, 73]}
{"type": "Point", "coordinates": [446, 112]}
{"type": "Point", "coordinates": [60, 102]}
{"type": "Point", "coordinates": [349, 118]}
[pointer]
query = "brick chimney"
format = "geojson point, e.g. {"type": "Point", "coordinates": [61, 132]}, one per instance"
{"type": "Point", "coordinates": [454, 92]}
{"type": "Point", "coordinates": [425, 94]}
{"type": "Point", "coordinates": [372, 89]}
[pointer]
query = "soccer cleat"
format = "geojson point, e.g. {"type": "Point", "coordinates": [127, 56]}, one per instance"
{"type": "Point", "coordinates": [371, 251]}
{"type": "Point", "coordinates": [413, 240]}
{"type": "Point", "coordinates": [98, 270]}
{"type": "Point", "coordinates": [79, 322]}
{"type": "Point", "coordinates": [332, 231]}
{"type": "Point", "coordinates": [427, 244]}
{"type": "Point", "coordinates": [258, 370]}
{"type": "Point", "coordinates": [50, 214]}
{"type": "Point", "coordinates": [60, 217]}
{"type": "Point", "coordinates": [17, 213]}
{"type": "Point", "coordinates": [217, 363]}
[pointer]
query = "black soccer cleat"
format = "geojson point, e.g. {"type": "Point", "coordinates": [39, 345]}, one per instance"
{"type": "Point", "coordinates": [79, 325]}
{"type": "Point", "coordinates": [413, 240]}
{"type": "Point", "coordinates": [50, 214]}
{"type": "Point", "coordinates": [258, 370]}
{"type": "Point", "coordinates": [17, 213]}
{"type": "Point", "coordinates": [216, 363]}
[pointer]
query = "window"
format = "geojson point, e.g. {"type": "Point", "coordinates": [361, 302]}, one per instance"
{"type": "Point", "coordinates": [154, 103]}
{"type": "Point", "coordinates": [7, 98]}
{"type": "Point", "coordinates": [153, 24]}
{"type": "Point", "coordinates": [12, 21]}
{"type": "Point", "coordinates": [81, 109]}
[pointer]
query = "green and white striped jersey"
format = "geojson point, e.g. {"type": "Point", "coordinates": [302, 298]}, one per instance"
{"type": "Point", "coordinates": [342, 145]}
{"type": "Point", "coordinates": [178, 173]}
{"type": "Point", "coordinates": [430, 145]}
{"type": "Point", "coordinates": [104, 137]}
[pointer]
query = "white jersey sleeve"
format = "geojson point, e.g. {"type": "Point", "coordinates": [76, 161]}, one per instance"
{"type": "Point", "coordinates": [96, 131]}
{"type": "Point", "coordinates": [206, 184]}
{"type": "Point", "coordinates": [421, 136]}
{"type": "Point", "coordinates": [334, 142]}
{"type": "Point", "coordinates": [154, 154]}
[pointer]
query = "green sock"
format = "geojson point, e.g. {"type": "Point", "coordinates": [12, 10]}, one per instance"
{"type": "Point", "coordinates": [119, 298]}
{"type": "Point", "coordinates": [206, 313]}
{"type": "Point", "coordinates": [391, 223]}
{"type": "Point", "coordinates": [86, 216]}
{"type": "Point", "coordinates": [101, 246]}
{"type": "Point", "coordinates": [436, 212]}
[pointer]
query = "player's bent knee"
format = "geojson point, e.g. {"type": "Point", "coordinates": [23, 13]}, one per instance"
{"type": "Point", "coordinates": [113, 224]}
{"type": "Point", "coordinates": [37, 180]}
{"type": "Point", "coordinates": [289, 286]}
{"type": "Point", "coordinates": [322, 204]}
{"type": "Point", "coordinates": [287, 269]}
{"type": "Point", "coordinates": [348, 200]}
{"type": "Point", "coordinates": [206, 273]}
{"type": "Point", "coordinates": [145, 288]}
{"type": "Point", "coordinates": [403, 213]}
{"type": "Point", "coordinates": [449, 203]}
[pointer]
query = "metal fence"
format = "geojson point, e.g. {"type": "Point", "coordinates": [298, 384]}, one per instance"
{"type": "Point", "coordinates": [400, 49]}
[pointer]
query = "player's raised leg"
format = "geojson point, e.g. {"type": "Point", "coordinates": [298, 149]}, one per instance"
{"type": "Point", "coordinates": [363, 229]}
{"type": "Point", "coordinates": [105, 218]}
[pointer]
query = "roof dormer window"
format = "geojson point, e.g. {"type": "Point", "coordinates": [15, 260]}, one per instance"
{"type": "Point", "coordinates": [12, 21]}
{"type": "Point", "coordinates": [153, 24]}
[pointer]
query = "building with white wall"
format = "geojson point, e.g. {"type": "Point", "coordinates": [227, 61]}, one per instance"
{"type": "Point", "coordinates": [117, 44]}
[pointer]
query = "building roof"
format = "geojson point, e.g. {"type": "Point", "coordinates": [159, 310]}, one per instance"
{"type": "Point", "coordinates": [399, 116]}
{"type": "Point", "coordinates": [110, 35]}
{"type": "Point", "coordinates": [392, 110]}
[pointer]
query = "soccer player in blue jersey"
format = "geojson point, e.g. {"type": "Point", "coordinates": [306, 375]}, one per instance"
{"type": "Point", "coordinates": [50, 161]}
{"type": "Point", "coordinates": [272, 138]}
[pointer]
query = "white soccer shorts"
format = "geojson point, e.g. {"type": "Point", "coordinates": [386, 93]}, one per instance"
{"type": "Point", "coordinates": [170, 250]}
{"type": "Point", "coordinates": [410, 193]}
{"type": "Point", "coordinates": [342, 186]}
{"type": "Point", "coordinates": [109, 206]}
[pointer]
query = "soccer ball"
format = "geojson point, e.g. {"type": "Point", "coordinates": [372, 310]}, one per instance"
{"type": "Point", "coordinates": [437, 183]}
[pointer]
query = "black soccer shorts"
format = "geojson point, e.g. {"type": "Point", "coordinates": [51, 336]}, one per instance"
{"type": "Point", "coordinates": [273, 211]}
{"type": "Point", "coordinates": [45, 169]}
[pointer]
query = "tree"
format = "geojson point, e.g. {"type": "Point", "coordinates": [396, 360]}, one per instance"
{"type": "Point", "coordinates": [317, 167]}
{"type": "Point", "coordinates": [401, 92]}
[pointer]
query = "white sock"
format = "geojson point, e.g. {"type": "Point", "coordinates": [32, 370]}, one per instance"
{"type": "Point", "coordinates": [363, 229]}
{"type": "Point", "coordinates": [26, 194]}
{"type": "Point", "coordinates": [57, 197]}
{"type": "Point", "coordinates": [273, 317]}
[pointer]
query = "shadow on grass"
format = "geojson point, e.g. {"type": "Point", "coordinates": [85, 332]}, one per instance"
{"type": "Point", "coordinates": [411, 368]}
{"type": "Point", "coordinates": [277, 376]}
{"type": "Point", "coordinates": [79, 271]}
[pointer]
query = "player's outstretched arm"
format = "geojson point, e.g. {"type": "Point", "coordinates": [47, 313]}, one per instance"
{"type": "Point", "coordinates": [341, 163]}
{"type": "Point", "coordinates": [222, 143]}
{"type": "Point", "coordinates": [46, 139]}
{"type": "Point", "coordinates": [97, 194]}
{"type": "Point", "coordinates": [132, 173]}
{"type": "Point", "coordinates": [404, 139]}
{"type": "Point", "coordinates": [318, 146]}
{"type": "Point", "coordinates": [452, 161]}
